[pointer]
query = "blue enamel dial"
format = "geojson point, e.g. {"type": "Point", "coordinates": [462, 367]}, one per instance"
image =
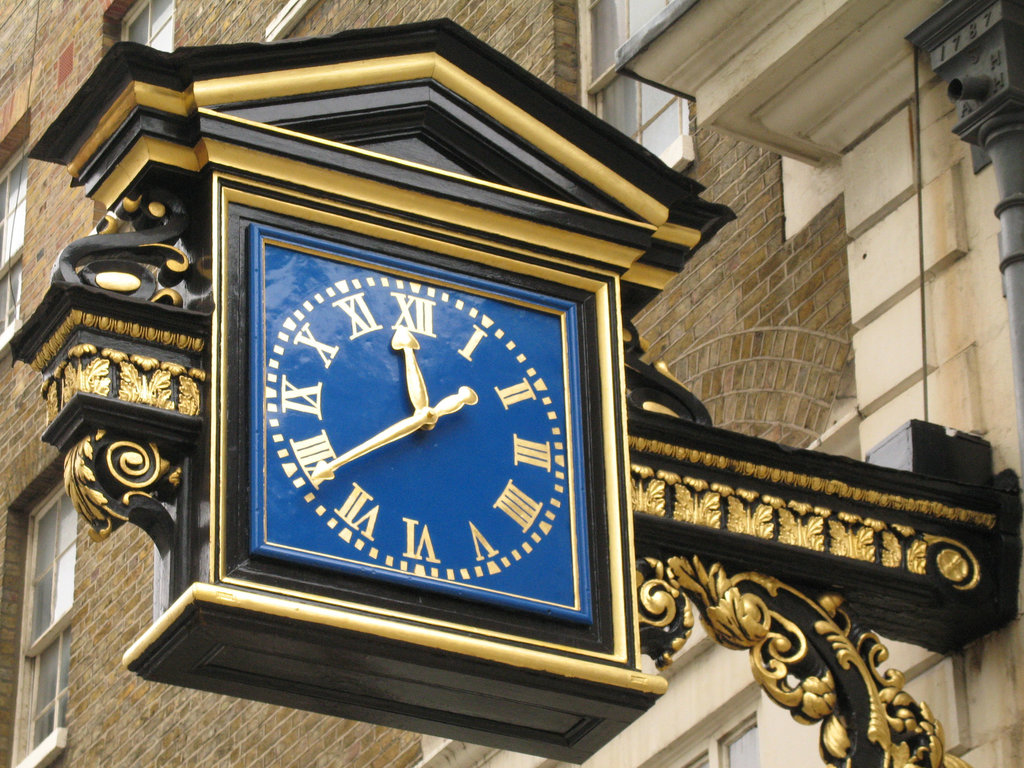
{"type": "Point", "coordinates": [416, 425]}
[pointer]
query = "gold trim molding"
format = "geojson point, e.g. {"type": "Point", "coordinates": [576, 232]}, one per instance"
{"type": "Point", "coordinates": [829, 487]}
{"type": "Point", "coordinates": [77, 318]}
{"type": "Point", "coordinates": [815, 528]}
{"type": "Point", "coordinates": [382, 626]}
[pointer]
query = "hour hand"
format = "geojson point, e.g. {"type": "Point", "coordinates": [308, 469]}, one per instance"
{"type": "Point", "coordinates": [403, 340]}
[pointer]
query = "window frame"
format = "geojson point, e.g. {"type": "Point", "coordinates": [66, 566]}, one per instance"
{"type": "Point", "coordinates": [713, 750]}
{"type": "Point", "coordinates": [597, 86]}
{"type": "Point", "coordinates": [145, 6]}
{"type": "Point", "coordinates": [27, 752]}
{"type": "Point", "coordinates": [11, 257]}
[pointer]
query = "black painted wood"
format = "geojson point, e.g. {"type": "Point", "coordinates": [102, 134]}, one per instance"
{"type": "Point", "coordinates": [920, 608]}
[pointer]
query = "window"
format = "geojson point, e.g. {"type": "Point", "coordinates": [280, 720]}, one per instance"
{"type": "Point", "coordinates": [12, 237]}
{"type": "Point", "coordinates": [741, 750]}
{"type": "Point", "coordinates": [737, 749]}
{"type": "Point", "coordinates": [656, 118]}
{"type": "Point", "coordinates": [46, 643]}
{"type": "Point", "coordinates": [150, 22]}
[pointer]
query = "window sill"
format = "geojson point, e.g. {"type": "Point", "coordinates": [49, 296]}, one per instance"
{"type": "Point", "coordinates": [48, 750]}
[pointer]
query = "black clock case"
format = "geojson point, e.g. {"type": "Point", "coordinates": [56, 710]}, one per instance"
{"type": "Point", "coordinates": [469, 685]}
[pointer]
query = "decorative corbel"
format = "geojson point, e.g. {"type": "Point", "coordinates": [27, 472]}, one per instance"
{"type": "Point", "coordinates": [138, 250]}
{"type": "Point", "coordinates": [120, 344]}
{"type": "Point", "coordinates": [806, 653]}
{"type": "Point", "coordinates": [651, 386]}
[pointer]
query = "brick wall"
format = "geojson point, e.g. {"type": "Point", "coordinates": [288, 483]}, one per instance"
{"type": "Point", "coordinates": [757, 325]}
{"type": "Point", "coordinates": [539, 35]}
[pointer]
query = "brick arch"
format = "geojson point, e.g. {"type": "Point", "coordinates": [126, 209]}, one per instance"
{"type": "Point", "coordinates": [776, 382]}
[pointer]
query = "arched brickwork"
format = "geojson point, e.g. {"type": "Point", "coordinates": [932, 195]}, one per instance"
{"type": "Point", "coordinates": [757, 325]}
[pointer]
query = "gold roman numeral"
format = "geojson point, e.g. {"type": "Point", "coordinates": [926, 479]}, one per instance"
{"type": "Point", "coordinates": [312, 451]}
{"type": "Point", "coordinates": [529, 452]}
{"type": "Point", "coordinates": [301, 399]}
{"type": "Point", "coordinates": [327, 351]}
{"type": "Point", "coordinates": [479, 334]}
{"type": "Point", "coordinates": [417, 314]}
{"type": "Point", "coordinates": [416, 545]}
{"type": "Point", "coordinates": [479, 541]}
{"type": "Point", "coordinates": [362, 320]}
{"type": "Point", "coordinates": [516, 393]}
{"type": "Point", "coordinates": [352, 511]}
{"type": "Point", "coordinates": [517, 505]}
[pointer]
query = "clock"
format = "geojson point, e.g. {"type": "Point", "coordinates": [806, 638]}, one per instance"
{"type": "Point", "coordinates": [417, 426]}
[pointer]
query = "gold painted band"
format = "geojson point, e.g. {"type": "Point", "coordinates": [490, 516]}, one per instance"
{"type": "Point", "coordinates": [830, 487]}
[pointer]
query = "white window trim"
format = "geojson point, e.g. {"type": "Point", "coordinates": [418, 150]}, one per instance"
{"type": "Point", "coordinates": [50, 748]}
{"type": "Point", "coordinates": [680, 153]}
{"type": "Point", "coordinates": [15, 258]}
{"type": "Point", "coordinates": [288, 18]}
{"type": "Point", "coordinates": [136, 10]}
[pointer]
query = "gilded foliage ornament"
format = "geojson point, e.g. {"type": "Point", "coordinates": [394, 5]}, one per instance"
{"type": "Point", "coordinates": [810, 658]}
{"type": "Point", "coordinates": [112, 481]}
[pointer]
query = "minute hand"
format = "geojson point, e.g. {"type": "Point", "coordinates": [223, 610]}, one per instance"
{"type": "Point", "coordinates": [422, 417]}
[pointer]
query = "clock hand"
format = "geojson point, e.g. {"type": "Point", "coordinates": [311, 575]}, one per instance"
{"type": "Point", "coordinates": [450, 404]}
{"type": "Point", "coordinates": [405, 341]}
{"type": "Point", "coordinates": [423, 418]}
{"type": "Point", "coordinates": [325, 470]}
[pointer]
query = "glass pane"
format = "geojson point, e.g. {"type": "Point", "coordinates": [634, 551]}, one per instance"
{"type": "Point", "coordinates": [161, 10]}
{"type": "Point", "coordinates": [16, 230]}
{"type": "Point", "coordinates": [3, 303]}
{"type": "Point", "coordinates": [65, 584]}
{"type": "Point", "coordinates": [65, 662]}
{"type": "Point", "coordinates": [62, 711]}
{"type": "Point", "coordinates": [743, 752]}
{"type": "Point", "coordinates": [642, 11]}
{"type": "Point", "coordinates": [16, 185]}
{"type": "Point", "coordinates": [664, 130]}
{"type": "Point", "coordinates": [652, 100]}
{"type": "Point", "coordinates": [46, 540]}
{"type": "Point", "coordinates": [702, 763]}
{"type": "Point", "coordinates": [43, 727]}
{"type": "Point", "coordinates": [619, 105]}
{"type": "Point", "coordinates": [14, 279]}
{"type": "Point", "coordinates": [46, 685]}
{"type": "Point", "coordinates": [138, 30]}
{"type": "Point", "coordinates": [41, 605]}
{"type": "Point", "coordinates": [68, 521]}
{"type": "Point", "coordinates": [163, 38]}
{"type": "Point", "coordinates": [608, 31]}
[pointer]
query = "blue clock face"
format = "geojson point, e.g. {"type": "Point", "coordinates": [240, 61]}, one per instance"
{"type": "Point", "coordinates": [416, 426]}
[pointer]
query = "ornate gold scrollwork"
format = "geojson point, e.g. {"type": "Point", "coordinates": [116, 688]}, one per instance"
{"type": "Point", "coordinates": [665, 616]}
{"type": "Point", "coordinates": [810, 658]}
{"type": "Point", "coordinates": [135, 250]}
{"type": "Point", "coordinates": [823, 485]}
{"type": "Point", "coordinates": [112, 481]}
